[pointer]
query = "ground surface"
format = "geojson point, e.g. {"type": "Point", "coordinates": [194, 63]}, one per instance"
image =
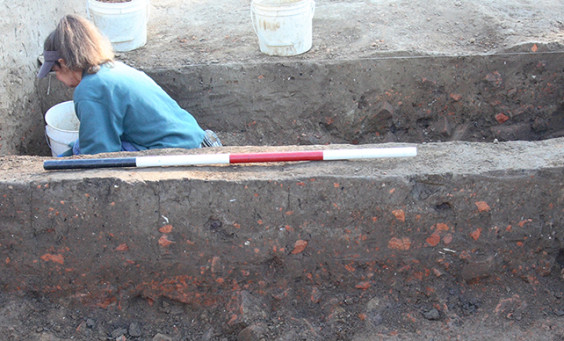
{"type": "Point", "coordinates": [185, 33]}
{"type": "Point", "coordinates": [202, 31]}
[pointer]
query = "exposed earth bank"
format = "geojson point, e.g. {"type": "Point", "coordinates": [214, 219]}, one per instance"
{"type": "Point", "coordinates": [481, 302]}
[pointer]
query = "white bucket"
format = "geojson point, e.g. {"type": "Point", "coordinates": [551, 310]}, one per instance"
{"type": "Point", "coordinates": [283, 27]}
{"type": "Point", "coordinates": [62, 127]}
{"type": "Point", "coordinates": [124, 23]}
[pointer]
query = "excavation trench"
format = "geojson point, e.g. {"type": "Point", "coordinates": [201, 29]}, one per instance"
{"type": "Point", "coordinates": [470, 227]}
{"type": "Point", "coordinates": [465, 240]}
{"type": "Point", "coordinates": [507, 97]}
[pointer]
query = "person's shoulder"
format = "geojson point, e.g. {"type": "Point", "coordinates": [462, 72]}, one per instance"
{"type": "Point", "coordinates": [110, 68]}
{"type": "Point", "coordinates": [92, 85]}
{"type": "Point", "coordinates": [121, 70]}
{"type": "Point", "coordinates": [107, 73]}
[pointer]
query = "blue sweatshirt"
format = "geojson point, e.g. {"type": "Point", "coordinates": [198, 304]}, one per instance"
{"type": "Point", "coordinates": [120, 103]}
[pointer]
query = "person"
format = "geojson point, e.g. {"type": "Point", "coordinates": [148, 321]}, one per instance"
{"type": "Point", "coordinates": [119, 108]}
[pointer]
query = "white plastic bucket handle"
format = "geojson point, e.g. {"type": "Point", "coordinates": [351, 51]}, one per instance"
{"type": "Point", "coordinates": [253, 21]}
{"type": "Point", "coordinates": [47, 137]}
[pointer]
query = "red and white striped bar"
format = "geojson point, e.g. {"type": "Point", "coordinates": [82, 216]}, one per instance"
{"type": "Point", "coordinates": [232, 158]}
{"type": "Point", "coordinates": [316, 155]}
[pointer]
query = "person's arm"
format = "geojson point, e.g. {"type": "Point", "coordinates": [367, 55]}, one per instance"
{"type": "Point", "coordinates": [99, 130]}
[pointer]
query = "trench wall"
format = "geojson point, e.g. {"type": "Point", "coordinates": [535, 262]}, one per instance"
{"type": "Point", "coordinates": [400, 99]}
{"type": "Point", "coordinates": [513, 96]}
{"type": "Point", "coordinates": [285, 236]}
{"type": "Point", "coordinates": [24, 26]}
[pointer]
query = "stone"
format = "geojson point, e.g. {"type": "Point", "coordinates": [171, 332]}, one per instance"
{"type": "Point", "coordinates": [251, 308]}
{"type": "Point", "coordinates": [476, 270]}
{"type": "Point", "coordinates": [432, 315]}
{"type": "Point", "coordinates": [161, 337]}
{"type": "Point", "coordinates": [118, 332]}
{"type": "Point", "coordinates": [255, 332]}
{"type": "Point", "coordinates": [90, 323]}
{"type": "Point", "coordinates": [135, 329]}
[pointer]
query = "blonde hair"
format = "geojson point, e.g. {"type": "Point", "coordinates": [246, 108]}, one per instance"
{"type": "Point", "coordinates": [80, 44]}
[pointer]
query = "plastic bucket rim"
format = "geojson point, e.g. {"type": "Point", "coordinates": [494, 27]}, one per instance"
{"type": "Point", "coordinates": [117, 8]}
{"type": "Point", "coordinates": [265, 3]}
{"type": "Point", "coordinates": [133, 5]}
{"type": "Point", "coordinates": [278, 11]}
{"type": "Point", "coordinates": [51, 110]}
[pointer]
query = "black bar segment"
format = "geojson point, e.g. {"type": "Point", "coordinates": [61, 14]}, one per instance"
{"type": "Point", "coordinates": [89, 163]}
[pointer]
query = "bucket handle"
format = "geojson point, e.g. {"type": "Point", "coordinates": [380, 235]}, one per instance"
{"type": "Point", "coordinates": [147, 11]}
{"type": "Point", "coordinates": [47, 138]}
{"type": "Point", "coordinates": [312, 8]}
{"type": "Point", "coordinates": [49, 143]}
{"type": "Point", "coordinates": [253, 21]}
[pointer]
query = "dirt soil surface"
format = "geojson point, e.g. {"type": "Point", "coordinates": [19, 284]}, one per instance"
{"type": "Point", "coordinates": [203, 31]}
{"type": "Point", "coordinates": [192, 32]}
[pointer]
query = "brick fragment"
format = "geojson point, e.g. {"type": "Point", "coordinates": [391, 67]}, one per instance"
{"type": "Point", "coordinates": [512, 303]}
{"type": "Point", "coordinates": [48, 257]}
{"type": "Point", "coordinates": [299, 246]}
{"type": "Point", "coordinates": [482, 206]}
{"type": "Point", "coordinates": [166, 229]}
{"type": "Point", "coordinates": [164, 241]}
{"type": "Point", "coordinates": [437, 272]}
{"type": "Point", "coordinates": [122, 247]}
{"type": "Point", "coordinates": [476, 234]}
{"type": "Point", "coordinates": [501, 118]}
{"type": "Point", "coordinates": [433, 239]}
{"type": "Point", "coordinates": [402, 244]}
{"type": "Point", "coordinates": [362, 285]}
{"type": "Point", "coordinates": [442, 227]}
{"type": "Point", "coordinates": [399, 214]}
{"type": "Point", "coordinates": [523, 222]}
